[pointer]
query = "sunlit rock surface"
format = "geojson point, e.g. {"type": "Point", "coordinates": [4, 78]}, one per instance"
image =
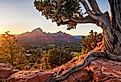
{"type": "Point", "coordinates": [106, 70]}
{"type": "Point", "coordinates": [30, 76]}
{"type": "Point", "coordinates": [100, 70]}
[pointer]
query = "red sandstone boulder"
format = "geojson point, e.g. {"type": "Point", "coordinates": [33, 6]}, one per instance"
{"type": "Point", "coordinates": [106, 70]}
{"type": "Point", "coordinates": [29, 76]}
{"type": "Point", "coordinates": [100, 70]}
{"type": "Point", "coordinates": [6, 70]}
{"type": "Point", "coordinates": [80, 76]}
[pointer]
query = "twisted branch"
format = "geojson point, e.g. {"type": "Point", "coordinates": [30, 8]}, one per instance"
{"type": "Point", "coordinates": [91, 57]}
{"type": "Point", "coordinates": [103, 20]}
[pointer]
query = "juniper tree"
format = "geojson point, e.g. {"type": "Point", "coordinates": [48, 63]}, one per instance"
{"type": "Point", "coordinates": [11, 51]}
{"type": "Point", "coordinates": [69, 12]}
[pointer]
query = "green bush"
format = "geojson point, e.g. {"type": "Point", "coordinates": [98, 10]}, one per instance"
{"type": "Point", "coordinates": [90, 42]}
{"type": "Point", "coordinates": [11, 51]}
{"type": "Point", "coordinates": [54, 57]}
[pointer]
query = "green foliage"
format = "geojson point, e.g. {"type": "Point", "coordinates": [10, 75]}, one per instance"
{"type": "Point", "coordinates": [90, 42]}
{"type": "Point", "coordinates": [59, 10]}
{"type": "Point", "coordinates": [54, 57]}
{"type": "Point", "coordinates": [11, 51]}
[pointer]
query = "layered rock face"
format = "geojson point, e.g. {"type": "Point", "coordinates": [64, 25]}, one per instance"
{"type": "Point", "coordinates": [6, 70]}
{"type": "Point", "coordinates": [29, 76]}
{"type": "Point", "coordinates": [106, 70]}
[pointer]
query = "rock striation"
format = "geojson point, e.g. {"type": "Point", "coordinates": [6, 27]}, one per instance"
{"type": "Point", "coordinates": [6, 70]}
{"type": "Point", "coordinates": [30, 76]}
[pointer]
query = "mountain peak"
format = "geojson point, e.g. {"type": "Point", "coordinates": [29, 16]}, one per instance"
{"type": "Point", "coordinates": [37, 30]}
{"type": "Point", "coordinates": [37, 36]}
{"type": "Point", "coordinates": [60, 32]}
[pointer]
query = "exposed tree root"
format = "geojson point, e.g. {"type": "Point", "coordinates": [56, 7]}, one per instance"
{"type": "Point", "coordinates": [91, 57]}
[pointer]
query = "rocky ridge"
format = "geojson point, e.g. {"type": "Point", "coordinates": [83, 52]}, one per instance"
{"type": "Point", "coordinates": [100, 70]}
{"type": "Point", "coordinates": [38, 37]}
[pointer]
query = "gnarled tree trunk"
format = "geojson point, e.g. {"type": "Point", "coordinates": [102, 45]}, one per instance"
{"type": "Point", "coordinates": [111, 26]}
{"type": "Point", "coordinates": [113, 45]}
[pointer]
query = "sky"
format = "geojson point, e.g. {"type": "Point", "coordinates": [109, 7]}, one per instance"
{"type": "Point", "coordinates": [19, 16]}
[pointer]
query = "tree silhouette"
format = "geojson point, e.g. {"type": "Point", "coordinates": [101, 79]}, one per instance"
{"type": "Point", "coordinates": [69, 12]}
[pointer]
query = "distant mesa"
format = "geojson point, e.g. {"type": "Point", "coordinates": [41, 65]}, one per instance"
{"type": "Point", "coordinates": [37, 36]}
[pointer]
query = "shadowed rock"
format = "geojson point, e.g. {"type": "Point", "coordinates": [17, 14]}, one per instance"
{"type": "Point", "coordinates": [6, 70]}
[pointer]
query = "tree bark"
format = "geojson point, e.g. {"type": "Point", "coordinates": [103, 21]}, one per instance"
{"type": "Point", "coordinates": [111, 26]}
{"type": "Point", "coordinates": [112, 35]}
